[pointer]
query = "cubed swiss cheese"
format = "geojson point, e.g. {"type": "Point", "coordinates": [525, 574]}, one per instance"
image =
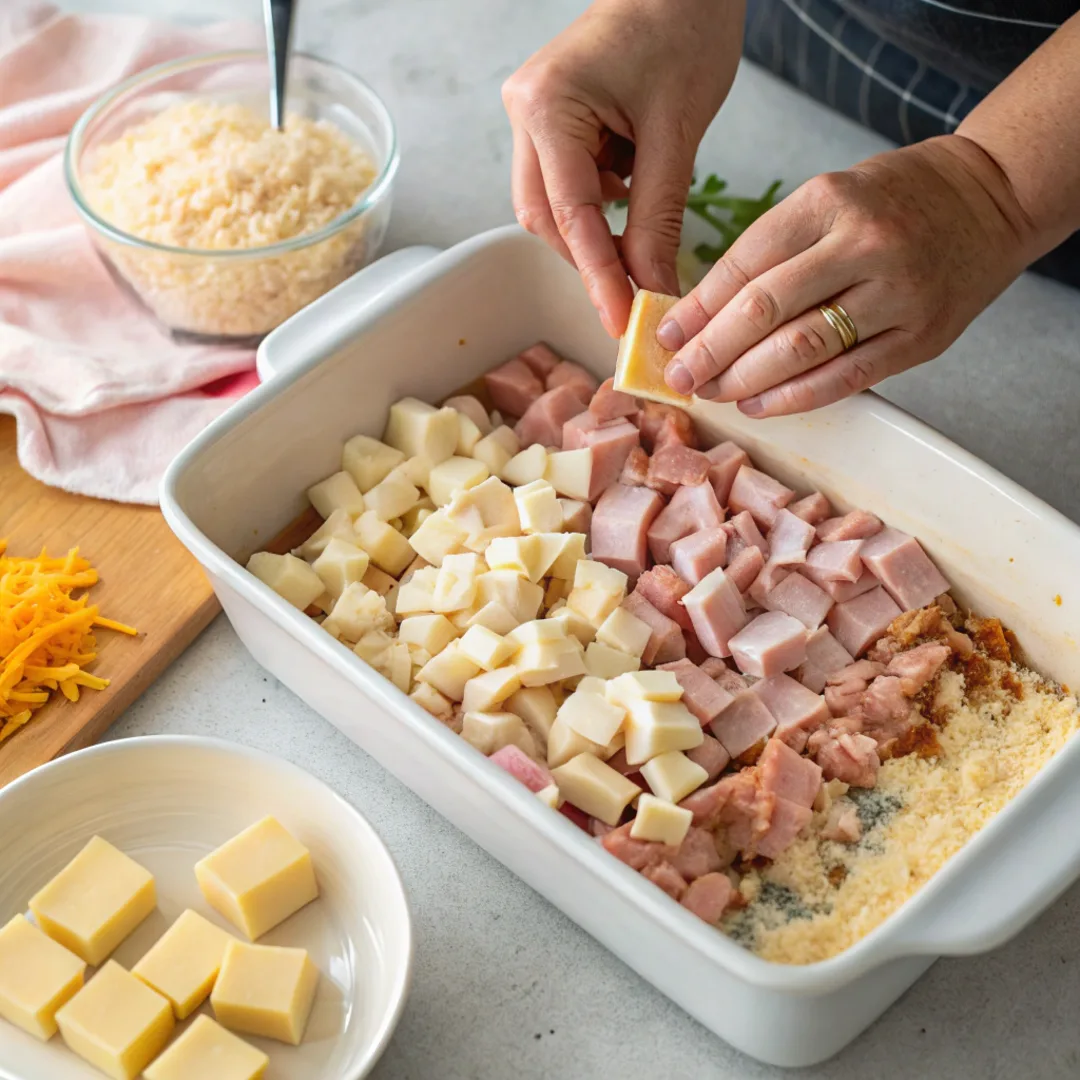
{"type": "Point", "coordinates": [291, 578]}
{"type": "Point", "coordinates": [595, 787]}
{"type": "Point", "coordinates": [337, 492]}
{"type": "Point", "coordinates": [639, 369]}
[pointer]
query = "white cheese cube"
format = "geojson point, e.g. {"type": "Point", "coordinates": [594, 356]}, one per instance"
{"type": "Point", "coordinates": [438, 536]}
{"type": "Point", "coordinates": [576, 514]}
{"type": "Point", "coordinates": [660, 821]}
{"type": "Point", "coordinates": [427, 697]}
{"type": "Point", "coordinates": [513, 590]}
{"type": "Point", "coordinates": [489, 732]}
{"type": "Point", "coordinates": [595, 788]}
{"type": "Point", "coordinates": [417, 595]}
{"type": "Point", "coordinates": [656, 727]}
{"type": "Point", "coordinates": [449, 672]}
{"type": "Point", "coordinates": [562, 553]}
{"type": "Point", "coordinates": [432, 633]}
{"type": "Point", "coordinates": [536, 632]}
{"type": "Point", "coordinates": [597, 575]}
{"type": "Point", "coordinates": [338, 524]}
{"type": "Point", "coordinates": [356, 611]}
{"type": "Point", "coordinates": [291, 578]}
{"type": "Point", "coordinates": [550, 661]}
{"type": "Point", "coordinates": [538, 506]}
{"type": "Point", "coordinates": [564, 743]}
{"type": "Point", "coordinates": [672, 776]}
{"type": "Point", "coordinates": [373, 647]}
{"type": "Point", "coordinates": [392, 497]}
{"type": "Point", "coordinates": [598, 591]}
{"type": "Point", "coordinates": [558, 589]}
{"type": "Point", "coordinates": [496, 450]}
{"type": "Point", "coordinates": [522, 553]}
{"type": "Point", "coordinates": [468, 405]}
{"type": "Point", "coordinates": [592, 715]}
{"type": "Point", "coordinates": [368, 461]}
{"type": "Point", "coordinates": [537, 707]}
{"type": "Point", "coordinates": [607, 663]}
{"type": "Point", "coordinates": [496, 618]}
{"type": "Point", "coordinates": [455, 586]}
{"type": "Point", "coordinates": [550, 796]}
{"type": "Point", "coordinates": [613, 747]}
{"type": "Point", "coordinates": [378, 580]}
{"type": "Point", "coordinates": [468, 435]}
{"type": "Point", "coordinates": [485, 691]}
{"type": "Point", "coordinates": [570, 472]}
{"type": "Point", "coordinates": [453, 475]}
{"type": "Point", "coordinates": [527, 466]}
{"type": "Point", "coordinates": [644, 686]}
{"type": "Point", "coordinates": [591, 684]}
{"type": "Point", "coordinates": [413, 518]}
{"type": "Point", "coordinates": [325, 603]}
{"type": "Point", "coordinates": [625, 632]}
{"type": "Point", "coordinates": [485, 648]}
{"type": "Point", "coordinates": [389, 550]}
{"type": "Point", "coordinates": [337, 492]}
{"type": "Point", "coordinates": [397, 666]}
{"type": "Point", "coordinates": [575, 624]}
{"type": "Point", "coordinates": [418, 429]}
{"type": "Point", "coordinates": [340, 564]}
{"type": "Point", "coordinates": [484, 512]}
{"type": "Point", "coordinates": [414, 470]}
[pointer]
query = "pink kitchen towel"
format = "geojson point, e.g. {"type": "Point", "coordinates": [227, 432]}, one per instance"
{"type": "Point", "coordinates": [102, 397]}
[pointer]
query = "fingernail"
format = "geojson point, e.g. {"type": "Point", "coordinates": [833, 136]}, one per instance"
{"type": "Point", "coordinates": [670, 335]}
{"type": "Point", "coordinates": [679, 378]}
{"type": "Point", "coordinates": [752, 406]}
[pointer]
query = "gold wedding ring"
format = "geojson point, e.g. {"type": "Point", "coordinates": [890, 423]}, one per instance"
{"type": "Point", "coordinates": [841, 322]}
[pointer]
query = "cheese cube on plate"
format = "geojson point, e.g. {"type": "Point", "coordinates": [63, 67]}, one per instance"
{"type": "Point", "coordinates": [639, 369]}
{"type": "Point", "coordinates": [455, 585]}
{"type": "Point", "coordinates": [389, 550]}
{"type": "Point", "coordinates": [490, 689]}
{"type": "Point", "coordinates": [527, 466]}
{"type": "Point", "coordinates": [570, 472]}
{"type": "Point", "coordinates": [37, 975]}
{"type": "Point", "coordinates": [265, 990]}
{"type": "Point", "coordinates": [291, 578]}
{"type": "Point", "coordinates": [368, 461]}
{"type": "Point", "coordinates": [660, 821]}
{"type": "Point", "coordinates": [606, 663]}
{"type": "Point", "coordinates": [429, 632]}
{"type": "Point", "coordinates": [550, 796]}
{"type": "Point", "coordinates": [428, 698]}
{"type": "Point", "coordinates": [485, 648]}
{"type": "Point", "coordinates": [496, 449]}
{"type": "Point", "coordinates": [340, 564]}
{"type": "Point", "coordinates": [538, 506]}
{"type": "Point", "coordinates": [453, 475]}
{"type": "Point", "coordinates": [258, 878]}
{"type": "Point", "coordinates": [656, 727]}
{"type": "Point", "coordinates": [392, 497]}
{"type": "Point", "coordinates": [521, 597]}
{"type": "Point", "coordinates": [449, 671]}
{"type": "Point", "coordinates": [672, 776]}
{"type": "Point", "coordinates": [592, 715]}
{"type": "Point", "coordinates": [644, 686]}
{"type": "Point", "coordinates": [95, 901]}
{"type": "Point", "coordinates": [595, 787]}
{"type": "Point", "coordinates": [418, 429]}
{"type": "Point", "coordinates": [491, 731]}
{"type": "Point", "coordinates": [206, 1049]}
{"type": "Point", "coordinates": [624, 631]}
{"type": "Point", "coordinates": [565, 743]}
{"type": "Point", "coordinates": [337, 492]}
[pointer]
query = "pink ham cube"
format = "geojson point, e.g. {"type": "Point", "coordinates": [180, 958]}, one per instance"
{"type": "Point", "coordinates": [690, 509]}
{"type": "Point", "coordinates": [858, 623]}
{"type": "Point", "coordinates": [789, 539]}
{"type": "Point", "coordinates": [635, 468]}
{"type": "Point", "coordinates": [858, 525]}
{"type": "Point", "coordinates": [743, 724]}
{"type": "Point", "coordinates": [544, 419]}
{"type": "Point", "coordinates": [725, 461]}
{"type": "Point", "coordinates": [695, 555]}
{"type": "Point", "coordinates": [542, 359]}
{"type": "Point", "coordinates": [814, 508]}
{"type": "Point", "coordinates": [787, 774]}
{"type": "Point", "coordinates": [575, 378]}
{"type": "Point", "coordinates": [573, 432]}
{"type": "Point", "coordinates": [834, 560]}
{"type": "Point", "coordinates": [842, 591]}
{"type": "Point", "coordinates": [758, 494]}
{"type": "Point", "coordinates": [723, 676]}
{"type": "Point", "coordinates": [743, 527]}
{"type": "Point", "coordinates": [898, 561]}
{"type": "Point", "coordinates": [797, 710]}
{"type": "Point", "coordinates": [710, 755]}
{"type": "Point", "coordinates": [801, 598]}
{"type": "Point", "coordinates": [663, 588]}
{"type": "Point", "coordinates": [824, 657]}
{"type": "Point", "coordinates": [745, 567]}
{"type": "Point", "coordinates": [611, 404]}
{"type": "Point", "coordinates": [852, 758]}
{"type": "Point", "coordinates": [708, 896]}
{"type": "Point", "coordinates": [522, 767]}
{"type": "Point", "coordinates": [786, 821]}
{"type": "Point", "coordinates": [716, 609]}
{"type": "Point", "coordinates": [513, 387]}
{"type": "Point", "coordinates": [611, 444]}
{"type": "Point", "coordinates": [666, 643]}
{"type": "Point", "coordinates": [673, 466]}
{"type": "Point", "coordinates": [701, 694]}
{"type": "Point", "coordinates": [620, 525]}
{"type": "Point", "coordinates": [769, 644]}
{"type": "Point", "coordinates": [661, 424]}
{"type": "Point", "coordinates": [771, 575]}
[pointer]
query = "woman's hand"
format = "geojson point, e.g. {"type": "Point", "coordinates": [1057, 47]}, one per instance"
{"type": "Point", "coordinates": [630, 87]}
{"type": "Point", "coordinates": [912, 244]}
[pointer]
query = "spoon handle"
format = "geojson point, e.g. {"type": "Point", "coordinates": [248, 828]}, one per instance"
{"type": "Point", "coordinates": [278, 15]}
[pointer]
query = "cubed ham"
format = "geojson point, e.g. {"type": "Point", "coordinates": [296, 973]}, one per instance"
{"type": "Point", "coordinates": [725, 460]}
{"type": "Point", "coordinates": [708, 897]}
{"type": "Point", "coordinates": [745, 567]}
{"type": "Point", "coordinates": [743, 527]}
{"type": "Point", "coordinates": [695, 652]}
{"type": "Point", "coordinates": [575, 378]}
{"type": "Point", "coordinates": [771, 575]}
{"type": "Point", "coordinates": [786, 821]}
{"type": "Point", "coordinates": [858, 623]}
{"type": "Point", "coordinates": [852, 758]}
{"type": "Point", "coordinates": [697, 554]}
{"type": "Point", "coordinates": [824, 656]}
{"type": "Point", "coordinates": [573, 432]}
{"type": "Point", "coordinates": [611, 404]}
{"type": "Point", "coordinates": [618, 762]}
{"type": "Point", "coordinates": [716, 610]}
{"type": "Point", "coordinates": [577, 516]}
{"type": "Point", "coordinates": [697, 855]}
{"type": "Point", "coordinates": [666, 642]}
{"type": "Point", "coordinates": [769, 644]}
{"type": "Point", "coordinates": [663, 588]}
{"type": "Point", "coordinates": [858, 525]}
{"type": "Point", "coordinates": [707, 802]}
{"type": "Point", "coordinates": [787, 774]}
{"type": "Point", "coordinates": [797, 710]}
{"type": "Point", "coordinates": [673, 466]}
{"type": "Point", "coordinates": [887, 713]}
{"type": "Point", "coordinates": [701, 694]}
{"type": "Point", "coordinates": [543, 420]}
{"type": "Point", "coordinates": [667, 878]}
{"type": "Point", "coordinates": [637, 854]}
{"type": "Point", "coordinates": [661, 424]}
{"type": "Point", "coordinates": [690, 510]}
{"type": "Point", "coordinates": [578, 817]}
{"type": "Point", "coordinates": [843, 825]}
{"type": "Point", "coordinates": [611, 444]}
{"type": "Point", "coordinates": [522, 767]}
{"type": "Point", "coordinates": [758, 494]}
{"type": "Point", "coordinates": [845, 687]}
{"type": "Point", "coordinates": [842, 591]}
{"type": "Point", "coordinates": [744, 723]}
{"type": "Point", "coordinates": [542, 359]}
{"type": "Point", "coordinates": [745, 809]}
{"type": "Point", "coordinates": [813, 509]}
{"type": "Point", "coordinates": [635, 468]}
{"type": "Point", "coordinates": [710, 755]}
{"type": "Point", "coordinates": [916, 667]}
{"type": "Point", "coordinates": [723, 676]}
{"type": "Point", "coordinates": [898, 561]}
{"type": "Point", "coordinates": [599, 828]}
{"type": "Point", "coordinates": [801, 598]}
{"type": "Point", "coordinates": [834, 560]}
{"type": "Point", "coordinates": [513, 386]}
{"type": "Point", "coordinates": [789, 539]}
{"type": "Point", "coordinates": [620, 525]}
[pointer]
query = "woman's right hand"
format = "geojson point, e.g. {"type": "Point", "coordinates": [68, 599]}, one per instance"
{"type": "Point", "coordinates": [626, 90]}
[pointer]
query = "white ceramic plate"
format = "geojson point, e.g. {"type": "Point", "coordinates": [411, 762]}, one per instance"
{"type": "Point", "coordinates": [168, 800]}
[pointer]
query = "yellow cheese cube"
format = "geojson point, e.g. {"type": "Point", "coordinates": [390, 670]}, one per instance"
{"type": "Point", "coordinates": [536, 632]}
{"type": "Point", "coordinates": [494, 617]}
{"type": "Point", "coordinates": [389, 550]}
{"type": "Point", "coordinates": [521, 597]}
{"type": "Point", "coordinates": [417, 595]}
{"type": "Point", "coordinates": [392, 497]}
{"type": "Point", "coordinates": [373, 647]}
{"type": "Point", "coordinates": [598, 591]}
{"type": "Point", "coordinates": [550, 661]}
{"type": "Point", "coordinates": [184, 963]}
{"type": "Point", "coordinates": [592, 715]}
{"type": "Point", "coordinates": [337, 492]}
{"type": "Point", "coordinates": [428, 698]}
{"type": "Point", "coordinates": [291, 578]}
{"type": "Point", "coordinates": [449, 671]}
{"type": "Point", "coordinates": [468, 405]}
{"type": "Point", "coordinates": [413, 518]}
{"type": "Point", "coordinates": [562, 553]}
{"type": "Point", "coordinates": [527, 466]}
{"type": "Point", "coordinates": [537, 707]}
{"type": "Point", "coordinates": [116, 1023]}
{"type": "Point", "coordinates": [377, 580]}
{"type": "Point", "coordinates": [557, 589]}
{"type": "Point", "coordinates": [485, 648]}
{"type": "Point", "coordinates": [369, 461]}
{"type": "Point", "coordinates": [455, 585]}
{"type": "Point", "coordinates": [206, 1051]}
{"type": "Point", "coordinates": [655, 727]}
{"type": "Point", "coordinates": [538, 506]}
{"type": "Point", "coordinates": [340, 564]}
{"type": "Point", "coordinates": [418, 429]}
{"type": "Point", "coordinates": [524, 554]}
{"type": "Point", "coordinates": [491, 731]}
{"type": "Point", "coordinates": [438, 536]}
{"type": "Point", "coordinates": [429, 632]}
{"type": "Point", "coordinates": [575, 624]}
{"type": "Point", "coordinates": [569, 472]}
{"type": "Point", "coordinates": [660, 821]}
{"type": "Point", "coordinates": [95, 901]}
{"type": "Point", "coordinates": [338, 524]}
{"type": "Point", "coordinates": [469, 434]}
{"type": "Point", "coordinates": [258, 878]}
{"type": "Point", "coordinates": [639, 369]}
{"type": "Point", "coordinates": [414, 470]}
{"type": "Point", "coordinates": [607, 663]}
{"type": "Point", "coordinates": [672, 776]}
{"type": "Point", "coordinates": [490, 688]}
{"type": "Point", "coordinates": [591, 684]}
{"type": "Point", "coordinates": [595, 788]}
{"type": "Point", "coordinates": [644, 686]}
{"type": "Point", "coordinates": [37, 976]}
{"type": "Point", "coordinates": [265, 990]}
{"type": "Point", "coordinates": [497, 448]}
{"type": "Point", "coordinates": [357, 610]}
{"type": "Point", "coordinates": [550, 796]}
{"type": "Point", "coordinates": [625, 632]}
{"type": "Point", "coordinates": [453, 475]}
{"type": "Point", "coordinates": [485, 511]}
{"type": "Point", "coordinates": [564, 743]}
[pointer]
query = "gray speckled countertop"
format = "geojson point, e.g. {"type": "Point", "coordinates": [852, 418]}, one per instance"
{"type": "Point", "coordinates": [505, 985]}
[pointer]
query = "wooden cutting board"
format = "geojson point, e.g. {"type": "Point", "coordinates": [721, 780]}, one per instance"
{"type": "Point", "coordinates": [148, 580]}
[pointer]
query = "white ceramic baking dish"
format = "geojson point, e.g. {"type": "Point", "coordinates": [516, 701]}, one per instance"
{"type": "Point", "coordinates": [426, 323]}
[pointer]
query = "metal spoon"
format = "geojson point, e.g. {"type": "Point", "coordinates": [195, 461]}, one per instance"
{"type": "Point", "coordinates": [278, 16]}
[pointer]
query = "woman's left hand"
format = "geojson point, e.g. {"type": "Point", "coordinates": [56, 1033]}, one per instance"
{"type": "Point", "coordinates": [912, 244]}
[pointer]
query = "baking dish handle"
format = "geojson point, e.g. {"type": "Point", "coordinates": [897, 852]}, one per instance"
{"type": "Point", "coordinates": [314, 328]}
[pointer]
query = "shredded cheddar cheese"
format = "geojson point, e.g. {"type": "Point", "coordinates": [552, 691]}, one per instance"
{"type": "Point", "coordinates": [46, 633]}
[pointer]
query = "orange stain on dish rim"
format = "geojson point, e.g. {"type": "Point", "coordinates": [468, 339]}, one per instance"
{"type": "Point", "coordinates": [461, 341]}
{"type": "Point", "coordinates": [1057, 599]}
